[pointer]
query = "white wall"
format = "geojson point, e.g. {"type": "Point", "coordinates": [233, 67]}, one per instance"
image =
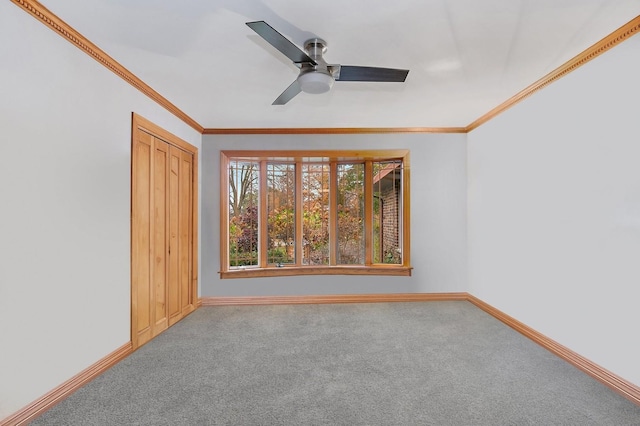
{"type": "Point", "coordinates": [554, 211]}
{"type": "Point", "coordinates": [65, 131]}
{"type": "Point", "coordinates": [438, 216]}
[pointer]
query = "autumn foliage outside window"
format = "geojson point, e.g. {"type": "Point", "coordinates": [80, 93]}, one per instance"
{"type": "Point", "coordinates": [305, 211]}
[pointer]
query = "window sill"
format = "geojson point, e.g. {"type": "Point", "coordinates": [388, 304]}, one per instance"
{"type": "Point", "coordinates": [395, 270]}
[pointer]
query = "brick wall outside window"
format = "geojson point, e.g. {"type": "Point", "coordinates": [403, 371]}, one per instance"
{"type": "Point", "coordinates": [391, 252]}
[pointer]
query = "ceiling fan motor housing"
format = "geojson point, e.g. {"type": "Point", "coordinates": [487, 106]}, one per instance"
{"type": "Point", "coordinates": [315, 79]}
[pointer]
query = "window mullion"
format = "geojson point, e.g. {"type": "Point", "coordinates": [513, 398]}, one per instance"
{"type": "Point", "coordinates": [262, 218]}
{"type": "Point", "coordinates": [333, 213]}
{"type": "Point", "coordinates": [299, 249]}
{"type": "Point", "coordinates": [368, 212]}
{"type": "Point", "coordinates": [406, 217]}
{"type": "Point", "coordinates": [224, 211]}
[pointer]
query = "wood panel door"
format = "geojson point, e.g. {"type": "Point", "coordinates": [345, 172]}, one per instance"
{"type": "Point", "coordinates": [185, 238]}
{"type": "Point", "coordinates": [163, 230]}
{"type": "Point", "coordinates": [174, 231]}
{"type": "Point", "coordinates": [160, 236]}
{"type": "Point", "coordinates": [141, 271]}
{"type": "Point", "coordinates": [181, 300]}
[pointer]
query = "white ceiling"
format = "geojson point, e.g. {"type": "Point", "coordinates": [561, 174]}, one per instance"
{"type": "Point", "coordinates": [465, 56]}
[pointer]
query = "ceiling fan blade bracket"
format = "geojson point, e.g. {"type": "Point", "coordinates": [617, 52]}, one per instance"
{"type": "Point", "coordinates": [334, 70]}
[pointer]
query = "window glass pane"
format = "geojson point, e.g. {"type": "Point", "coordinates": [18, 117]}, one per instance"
{"type": "Point", "coordinates": [243, 213]}
{"type": "Point", "coordinates": [281, 224]}
{"type": "Point", "coordinates": [350, 214]}
{"type": "Point", "coordinates": [315, 214]}
{"type": "Point", "coordinates": [387, 212]}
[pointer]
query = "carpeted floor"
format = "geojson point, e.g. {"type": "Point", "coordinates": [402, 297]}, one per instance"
{"type": "Point", "coordinates": [418, 363]}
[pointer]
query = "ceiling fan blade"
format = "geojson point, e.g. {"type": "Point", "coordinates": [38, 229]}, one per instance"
{"type": "Point", "coordinates": [355, 73]}
{"type": "Point", "coordinates": [280, 42]}
{"type": "Point", "coordinates": [289, 93]}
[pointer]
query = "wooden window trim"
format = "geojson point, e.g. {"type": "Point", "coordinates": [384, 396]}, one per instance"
{"type": "Point", "coordinates": [285, 271]}
{"type": "Point", "coordinates": [264, 270]}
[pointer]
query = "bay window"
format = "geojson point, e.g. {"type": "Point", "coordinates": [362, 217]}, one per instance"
{"type": "Point", "coordinates": [314, 212]}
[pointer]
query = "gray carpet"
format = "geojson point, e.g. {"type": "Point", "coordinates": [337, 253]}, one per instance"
{"type": "Point", "coordinates": [418, 363]}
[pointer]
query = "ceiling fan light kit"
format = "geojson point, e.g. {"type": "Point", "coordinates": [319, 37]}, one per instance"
{"type": "Point", "coordinates": [315, 82]}
{"type": "Point", "coordinates": [316, 76]}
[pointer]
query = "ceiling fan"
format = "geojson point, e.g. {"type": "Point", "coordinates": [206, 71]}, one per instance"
{"type": "Point", "coordinates": [316, 76]}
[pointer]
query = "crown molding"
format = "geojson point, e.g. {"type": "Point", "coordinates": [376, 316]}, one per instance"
{"type": "Point", "coordinates": [37, 10]}
{"type": "Point", "coordinates": [332, 130]}
{"type": "Point", "coordinates": [44, 15]}
{"type": "Point", "coordinates": [629, 29]}
{"type": "Point", "coordinates": [613, 39]}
